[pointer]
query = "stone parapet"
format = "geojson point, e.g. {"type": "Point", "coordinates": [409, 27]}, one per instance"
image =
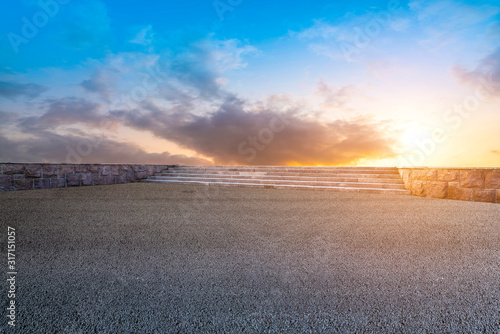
{"type": "Point", "coordinates": [466, 184]}
{"type": "Point", "coordinates": [27, 176]}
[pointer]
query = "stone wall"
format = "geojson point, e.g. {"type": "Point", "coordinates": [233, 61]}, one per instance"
{"type": "Point", "coordinates": [25, 176]}
{"type": "Point", "coordinates": [466, 184]}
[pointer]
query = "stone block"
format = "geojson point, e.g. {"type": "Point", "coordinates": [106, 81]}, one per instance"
{"type": "Point", "coordinates": [50, 171]}
{"type": "Point", "coordinates": [66, 169]}
{"type": "Point", "coordinates": [95, 168]}
{"type": "Point", "coordinates": [87, 179]}
{"type": "Point", "coordinates": [13, 169]}
{"type": "Point", "coordinates": [125, 168]}
{"type": "Point", "coordinates": [131, 177]}
{"type": "Point", "coordinates": [41, 183]}
{"type": "Point", "coordinates": [448, 175]}
{"type": "Point", "coordinates": [462, 194]}
{"type": "Point", "coordinates": [58, 183]}
{"type": "Point", "coordinates": [73, 180]}
{"type": "Point", "coordinates": [122, 178]}
{"type": "Point", "coordinates": [471, 179]}
{"type": "Point", "coordinates": [492, 179]}
{"type": "Point", "coordinates": [405, 175]}
{"type": "Point", "coordinates": [141, 175]}
{"type": "Point", "coordinates": [159, 169]}
{"type": "Point", "coordinates": [430, 174]}
{"type": "Point", "coordinates": [104, 170]}
{"type": "Point", "coordinates": [82, 168]}
{"type": "Point", "coordinates": [19, 177]}
{"type": "Point", "coordinates": [424, 174]}
{"type": "Point", "coordinates": [418, 188]}
{"type": "Point", "coordinates": [114, 170]}
{"type": "Point", "coordinates": [416, 174]}
{"type": "Point", "coordinates": [6, 182]}
{"type": "Point", "coordinates": [138, 168]}
{"type": "Point", "coordinates": [436, 189]}
{"type": "Point", "coordinates": [498, 196]}
{"type": "Point", "coordinates": [104, 180]}
{"type": "Point", "coordinates": [483, 195]}
{"type": "Point", "coordinates": [23, 184]}
{"type": "Point", "coordinates": [33, 171]}
{"type": "Point", "coordinates": [150, 170]}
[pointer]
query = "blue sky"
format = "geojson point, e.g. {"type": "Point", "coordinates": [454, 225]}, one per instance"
{"type": "Point", "coordinates": [358, 82]}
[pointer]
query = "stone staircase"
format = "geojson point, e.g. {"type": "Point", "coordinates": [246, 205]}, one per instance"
{"type": "Point", "coordinates": [380, 180]}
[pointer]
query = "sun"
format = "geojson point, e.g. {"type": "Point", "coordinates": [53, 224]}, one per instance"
{"type": "Point", "coordinates": [413, 135]}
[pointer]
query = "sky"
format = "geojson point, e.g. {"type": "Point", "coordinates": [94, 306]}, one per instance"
{"type": "Point", "coordinates": [251, 82]}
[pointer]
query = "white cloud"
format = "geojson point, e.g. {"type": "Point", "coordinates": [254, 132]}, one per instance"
{"type": "Point", "coordinates": [144, 36]}
{"type": "Point", "coordinates": [452, 13]}
{"type": "Point", "coordinates": [229, 54]}
{"type": "Point", "coordinates": [447, 22]}
{"type": "Point", "coordinates": [318, 29]}
{"type": "Point", "coordinates": [354, 33]}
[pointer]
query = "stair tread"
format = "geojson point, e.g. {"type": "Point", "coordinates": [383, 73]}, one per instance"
{"type": "Point", "coordinates": [403, 191]}
{"type": "Point", "coordinates": [284, 167]}
{"type": "Point", "coordinates": [234, 180]}
{"type": "Point", "coordinates": [262, 170]}
{"type": "Point", "coordinates": [281, 177]}
{"type": "Point", "coordinates": [353, 179]}
{"type": "Point", "coordinates": [282, 173]}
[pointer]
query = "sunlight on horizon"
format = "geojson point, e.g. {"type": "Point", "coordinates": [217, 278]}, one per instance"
{"type": "Point", "coordinates": [381, 83]}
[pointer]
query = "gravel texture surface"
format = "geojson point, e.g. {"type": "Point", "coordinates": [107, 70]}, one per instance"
{"type": "Point", "coordinates": [155, 258]}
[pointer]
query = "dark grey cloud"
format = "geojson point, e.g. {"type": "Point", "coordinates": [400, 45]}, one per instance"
{"type": "Point", "coordinates": [93, 85]}
{"type": "Point", "coordinates": [266, 136]}
{"type": "Point", "coordinates": [65, 111]}
{"type": "Point", "coordinates": [97, 84]}
{"type": "Point", "coordinates": [7, 116]}
{"type": "Point", "coordinates": [13, 90]}
{"type": "Point", "coordinates": [48, 146]}
{"type": "Point", "coordinates": [279, 131]}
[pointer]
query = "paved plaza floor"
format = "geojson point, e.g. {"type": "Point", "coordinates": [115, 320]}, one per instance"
{"type": "Point", "coordinates": [155, 258]}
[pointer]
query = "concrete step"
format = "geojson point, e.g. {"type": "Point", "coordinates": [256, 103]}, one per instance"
{"type": "Point", "coordinates": [284, 186]}
{"type": "Point", "coordinates": [283, 173]}
{"type": "Point", "coordinates": [350, 170]}
{"type": "Point", "coordinates": [286, 182]}
{"type": "Point", "coordinates": [284, 178]}
{"type": "Point", "coordinates": [284, 167]}
{"type": "Point", "coordinates": [381, 180]}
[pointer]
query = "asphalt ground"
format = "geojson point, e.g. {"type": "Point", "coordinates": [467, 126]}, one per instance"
{"type": "Point", "coordinates": [158, 258]}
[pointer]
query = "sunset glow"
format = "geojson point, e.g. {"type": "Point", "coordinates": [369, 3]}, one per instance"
{"type": "Point", "coordinates": [376, 83]}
